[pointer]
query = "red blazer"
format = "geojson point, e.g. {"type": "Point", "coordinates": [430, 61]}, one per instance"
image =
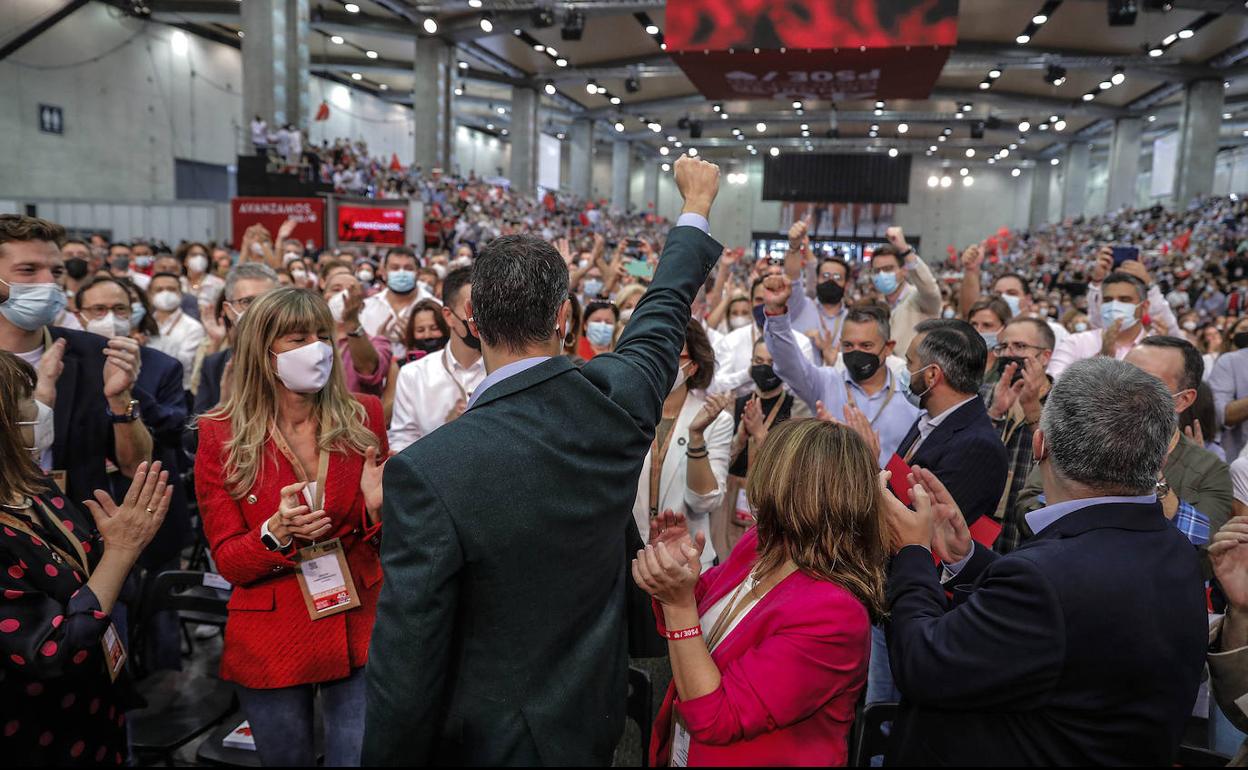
{"type": "Point", "coordinates": [791, 673]}
{"type": "Point", "coordinates": [270, 641]}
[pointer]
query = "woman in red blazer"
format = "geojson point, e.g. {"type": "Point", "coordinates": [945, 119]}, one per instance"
{"type": "Point", "coordinates": [288, 460]}
{"type": "Point", "coordinates": [769, 650]}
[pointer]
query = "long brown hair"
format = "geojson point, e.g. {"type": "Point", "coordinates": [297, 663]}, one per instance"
{"type": "Point", "coordinates": [19, 475]}
{"type": "Point", "coordinates": [252, 406]}
{"type": "Point", "coordinates": [815, 496]}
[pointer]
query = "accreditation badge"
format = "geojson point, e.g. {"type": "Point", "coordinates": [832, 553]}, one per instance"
{"type": "Point", "coordinates": [325, 579]}
{"type": "Point", "coordinates": [114, 652]}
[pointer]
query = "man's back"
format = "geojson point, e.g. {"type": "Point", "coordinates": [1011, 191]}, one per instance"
{"type": "Point", "coordinates": [500, 635]}
{"type": "Point", "coordinates": [1084, 646]}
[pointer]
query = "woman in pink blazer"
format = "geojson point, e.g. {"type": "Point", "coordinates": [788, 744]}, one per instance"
{"type": "Point", "coordinates": [769, 649]}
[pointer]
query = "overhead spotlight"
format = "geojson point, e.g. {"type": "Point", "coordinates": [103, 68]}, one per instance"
{"type": "Point", "coordinates": [1015, 172]}
{"type": "Point", "coordinates": [655, 127]}
{"type": "Point", "coordinates": [992, 161]}
{"type": "Point", "coordinates": [487, 25]}
{"type": "Point", "coordinates": [550, 88]}
{"type": "Point", "coordinates": [1005, 153]}
{"type": "Point", "coordinates": [1118, 77]}
{"type": "Point", "coordinates": [892, 152]}
{"type": "Point", "coordinates": [561, 62]}
{"type": "Point", "coordinates": [474, 3]}
{"type": "Point", "coordinates": [805, 133]}
{"type": "Point", "coordinates": [463, 65]}
{"type": "Point", "coordinates": [1227, 116]}
{"type": "Point", "coordinates": [805, 126]}
{"type": "Point", "coordinates": [539, 48]}
{"type": "Point", "coordinates": [619, 127]}
{"type": "Point", "coordinates": [615, 100]}
{"type": "Point", "coordinates": [351, 8]}
{"type": "Point", "coordinates": [878, 111]}
{"type": "Point", "coordinates": [1185, 34]}
{"type": "Point", "coordinates": [879, 105]}
{"type": "Point", "coordinates": [875, 126]}
{"type": "Point", "coordinates": [591, 88]}
{"type": "Point", "coordinates": [967, 181]}
{"type": "Point", "coordinates": [632, 85]}
{"type": "Point", "coordinates": [933, 181]}
{"type": "Point", "coordinates": [1055, 75]}
{"type": "Point", "coordinates": [430, 25]}
{"type": "Point", "coordinates": [1153, 52]}
{"type": "Point", "coordinates": [970, 152]}
{"type": "Point", "coordinates": [652, 29]}
{"type": "Point", "coordinates": [356, 76]}
{"type": "Point", "coordinates": [573, 25]}
{"type": "Point", "coordinates": [717, 107]}
{"type": "Point", "coordinates": [967, 107]}
{"type": "Point", "coordinates": [903, 128]}
{"type": "Point", "coordinates": [505, 132]}
{"type": "Point", "coordinates": [677, 143]}
{"type": "Point", "coordinates": [964, 171]}
{"type": "Point", "coordinates": [489, 126]}
{"type": "Point", "coordinates": [941, 138]}
{"type": "Point", "coordinates": [336, 39]}
{"type": "Point", "coordinates": [1039, 19]}
{"type": "Point", "coordinates": [1055, 162]}
{"type": "Point", "coordinates": [947, 131]}
{"type": "Point", "coordinates": [774, 152]}
{"type": "Point", "coordinates": [797, 105]}
{"type": "Point", "coordinates": [1089, 97]}
{"type": "Point", "coordinates": [1023, 39]}
{"type": "Point", "coordinates": [1024, 126]}
{"type": "Point", "coordinates": [666, 167]}
{"type": "Point", "coordinates": [760, 127]}
{"type": "Point", "coordinates": [560, 136]}
{"type": "Point", "coordinates": [873, 134]}
{"type": "Point", "coordinates": [383, 87]}
{"type": "Point", "coordinates": [664, 150]}
{"type": "Point", "coordinates": [1169, 40]}
{"type": "Point", "coordinates": [994, 73]}
{"type": "Point", "coordinates": [985, 85]}
{"type": "Point", "coordinates": [371, 54]}
{"type": "Point", "coordinates": [946, 181]}
{"type": "Point", "coordinates": [693, 152]}
{"type": "Point", "coordinates": [501, 110]}
{"type": "Point", "coordinates": [459, 90]}
{"type": "Point", "coordinates": [1059, 125]}
{"type": "Point", "coordinates": [1105, 85]}
{"type": "Point", "coordinates": [933, 148]}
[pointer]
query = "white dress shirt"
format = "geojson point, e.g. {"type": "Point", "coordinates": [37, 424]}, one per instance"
{"type": "Point", "coordinates": [426, 393]}
{"type": "Point", "coordinates": [734, 355]}
{"type": "Point", "coordinates": [180, 337]}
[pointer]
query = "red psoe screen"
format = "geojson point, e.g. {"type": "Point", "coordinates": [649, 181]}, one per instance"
{"type": "Point", "coordinates": [369, 224]}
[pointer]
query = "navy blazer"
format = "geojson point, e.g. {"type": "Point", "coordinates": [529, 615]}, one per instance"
{"type": "Point", "coordinates": [966, 454]}
{"type": "Point", "coordinates": [210, 373]}
{"type": "Point", "coordinates": [84, 432]}
{"type": "Point", "coordinates": [1085, 646]}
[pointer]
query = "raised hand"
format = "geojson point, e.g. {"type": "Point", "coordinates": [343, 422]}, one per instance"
{"type": "Point", "coordinates": [972, 259]}
{"type": "Point", "coordinates": [354, 305]}
{"type": "Point", "coordinates": [1228, 552]}
{"type": "Point", "coordinates": [213, 326]}
{"type": "Point", "coordinates": [1136, 268]}
{"type": "Point", "coordinates": [661, 572]}
{"type": "Point", "coordinates": [1005, 392]}
{"type": "Point", "coordinates": [822, 413]}
{"type": "Point", "coordinates": [1104, 264]}
{"type": "Point", "coordinates": [284, 232]}
{"type": "Point", "coordinates": [698, 182]}
{"type": "Point", "coordinates": [1109, 337]}
{"type": "Point", "coordinates": [710, 410]}
{"type": "Point", "coordinates": [129, 527]}
{"type": "Point", "coordinates": [799, 234]}
{"type": "Point", "coordinates": [1030, 387]}
{"type": "Point", "coordinates": [1195, 433]}
{"type": "Point", "coordinates": [370, 483]}
{"type": "Point", "coordinates": [752, 419]}
{"type": "Point", "coordinates": [672, 530]}
{"type": "Point", "coordinates": [121, 366]}
{"type": "Point", "coordinates": [897, 238]}
{"type": "Point", "coordinates": [50, 368]}
{"type": "Point", "coordinates": [951, 541]}
{"type": "Point", "coordinates": [856, 421]}
{"type": "Point", "coordinates": [908, 527]}
{"type": "Point", "coordinates": [776, 292]}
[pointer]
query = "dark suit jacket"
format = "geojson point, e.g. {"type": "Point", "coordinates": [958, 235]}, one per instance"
{"type": "Point", "coordinates": [210, 373]}
{"type": "Point", "coordinates": [84, 432]}
{"type": "Point", "coordinates": [966, 454]}
{"type": "Point", "coordinates": [1084, 646]}
{"type": "Point", "coordinates": [500, 635]}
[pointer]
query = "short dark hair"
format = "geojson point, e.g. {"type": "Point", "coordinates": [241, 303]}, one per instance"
{"type": "Point", "coordinates": [431, 305]}
{"type": "Point", "coordinates": [602, 304]}
{"type": "Point", "coordinates": [18, 228]}
{"type": "Point", "coordinates": [957, 348]}
{"type": "Point", "coordinates": [824, 260]}
{"type": "Point", "coordinates": [993, 305]}
{"type": "Point", "coordinates": [148, 325]}
{"type": "Point", "coordinates": [402, 251]}
{"type": "Point", "coordinates": [454, 281]}
{"type": "Point", "coordinates": [887, 250]}
{"type": "Point", "coordinates": [1193, 364]}
{"type": "Point", "coordinates": [1026, 286]}
{"type": "Point", "coordinates": [519, 282]}
{"type": "Point", "coordinates": [1047, 337]}
{"type": "Point", "coordinates": [701, 353]}
{"type": "Point", "coordinates": [1120, 277]}
{"type": "Point", "coordinates": [871, 314]}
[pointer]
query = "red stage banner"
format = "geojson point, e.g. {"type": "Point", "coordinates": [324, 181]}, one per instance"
{"type": "Point", "coordinates": [812, 49]}
{"type": "Point", "coordinates": [309, 213]}
{"type": "Point", "coordinates": [372, 224]}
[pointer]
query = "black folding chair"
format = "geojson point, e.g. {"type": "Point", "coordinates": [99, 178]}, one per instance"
{"type": "Point", "coordinates": [640, 702]}
{"type": "Point", "coordinates": [1194, 756]}
{"type": "Point", "coordinates": [867, 739]}
{"type": "Point", "coordinates": [180, 705]}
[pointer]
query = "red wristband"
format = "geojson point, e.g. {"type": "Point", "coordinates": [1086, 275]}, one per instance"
{"type": "Point", "coordinates": [686, 633]}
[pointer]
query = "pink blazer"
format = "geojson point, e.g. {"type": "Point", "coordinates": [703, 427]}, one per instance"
{"type": "Point", "coordinates": [791, 673]}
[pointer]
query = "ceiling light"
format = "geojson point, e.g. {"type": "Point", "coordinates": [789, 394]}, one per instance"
{"type": "Point", "coordinates": [985, 85]}
{"type": "Point", "coordinates": [663, 150]}
{"type": "Point", "coordinates": [652, 29]}
{"type": "Point", "coordinates": [371, 54]}
{"type": "Point", "coordinates": [463, 65]}
{"type": "Point", "coordinates": [967, 181]}
{"type": "Point", "coordinates": [693, 152]}
{"type": "Point", "coordinates": [179, 42]}
{"type": "Point", "coordinates": [1005, 153]}
{"type": "Point", "coordinates": [489, 126]}
{"type": "Point", "coordinates": [941, 138]}
{"type": "Point", "coordinates": [797, 105]}
{"type": "Point", "coordinates": [356, 76]}
{"type": "Point", "coordinates": [933, 181]}
{"type": "Point", "coordinates": [946, 181]}
{"type": "Point", "coordinates": [561, 62]}
{"type": "Point", "coordinates": [761, 127]}
{"type": "Point", "coordinates": [873, 134]}
{"type": "Point", "coordinates": [352, 8]}
{"type": "Point", "coordinates": [1184, 34]}
{"type": "Point", "coordinates": [1155, 52]}
{"type": "Point", "coordinates": [666, 167]}
{"type": "Point", "coordinates": [501, 110]}
{"type": "Point", "coordinates": [474, 3]}
{"type": "Point", "coordinates": [335, 39]}
{"type": "Point", "coordinates": [486, 24]}
{"type": "Point", "coordinates": [431, 26]}
{"type": "Point", "coordinates": [1024, 126]}
{"type": "Point", "coordinates": [878, 111]}
{"type": "Point", "coordinates": [615, 100]}
{"type": "Point", "coordinates": [879, 105]}
{"type": "Point", "coordinates": [994, 73]}
{"type": "Point", "coordinates": [655, 127]}
{"type": "Point", "coordinates": [383, 87]}
{"type": "Point", "coordinates": [591, 87]}
{"type": "Point", "coordinates": [560, 136]}
{"type": "Point", "coordinates": [1039, 18]}
{"type": "Point", "coordinates": [1023, 39]}
{"type": "Point", "coordinates": [964, 171]}
{"type": "Point", "coordinates": [774, 152]}
{"type": "Point", "coordinates": [970, 152]}
{"type": "Point", "coordinates": [505, 132]}
{"type": "Point", "coordinates": [932, 148]}
{"type": "Point", "coordinates": [1170, 39]}
{"type": "Point", "coordinates": [1055, 161]}
{"type": "Point", "coordinates": [550, 50]}
{"type": "Point", "coordinates": [723, 116]}
{"type": "Point", "coordinates": [459, 90]}
{"type": "Point", "coordinates": [892, 152]}
{"type": "Point", "coordinates": [1118, 77]}
{"type": "Point", "coordinates": [805, 126]}
{"type": "Point", "coordinates": [550, 88]}
{"type": "Point", "coordinates": [1059, 125]}
{"type": "Point", "coordinates": [903, 128]}
{"type": "Point", "coordinates": [1226, 116]}
{"type": "Point", "coordinates": [967, 107]}
{"type": "Point", "coordinates": [678, 143]}
{"type": "Point", "coordinates": [539, 48]}
{"type": "Point", "coordinates": [875, 126]}
{"type": "Point", "coordinates": [1016, 172]}
{"type": "Point", "coordinates": [619, 126]}
{"type": "Point", "coordinates": [1089, 97]}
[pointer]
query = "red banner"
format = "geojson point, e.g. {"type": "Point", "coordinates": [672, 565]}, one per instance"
{"type": "Point", "coordinates": [812, 49]}
{"type": "Point", "coordinates": [372, 224]}
{"type": "Point", "coordinates": [308, 213]}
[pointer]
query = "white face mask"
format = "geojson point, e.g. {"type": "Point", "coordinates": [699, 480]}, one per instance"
{"type": "Point", "coordinates": [45, 430]}
{"type": "Point", "coordinates": [197, 264]}
{"type": "Point", "coordinates": [306, 369]}
{"type": "Point", "coordinates": [681, 376]}
{"type": "Point", "coordinates": [338, 305]}
{"type": "Point", "coordinates": [440, 269]}
{"type": "Point", "coordinates": [167, 300]}
{"type": "Point", "coordinates": [109, 326]}
{"type": "Point", "coordinates": [737, 321]}
{"type": "Point", "coordinates": [626, 315]}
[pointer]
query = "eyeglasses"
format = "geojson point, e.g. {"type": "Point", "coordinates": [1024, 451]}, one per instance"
{"type": "Point", "coordinates": [828, 276]}
{"type": "Point", "coordinates": [99, 311]}
{"type": "Point", "coordinates": [1015, 347]}
{"type": "Point", "coordinates": [242, 303]}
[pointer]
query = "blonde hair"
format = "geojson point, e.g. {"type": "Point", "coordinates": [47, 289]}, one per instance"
{"type": "Point", "coordinates": [252, 404]}
{"type": "Point", "coordinates": [815, 495]}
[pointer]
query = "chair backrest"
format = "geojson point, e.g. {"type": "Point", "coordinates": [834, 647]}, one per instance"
{"type": "Point", "coordinates": [187, 591]}
{"type": "Point", "coordinates": [1194, 756]}
{"type": "Point", "coordinates": [868, 737]}
{"type": "Point", "coordinates": [640, 705]}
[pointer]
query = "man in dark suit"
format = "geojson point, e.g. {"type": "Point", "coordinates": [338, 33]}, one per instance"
{"type": "Point", "coordinates": [953, 436]}
{"type": "Point", "coordinates": [500, 635]}
{"type": "Point", "coordinates": [243, 285]}
{"type": "Point", "coordinates": [1085, 646]}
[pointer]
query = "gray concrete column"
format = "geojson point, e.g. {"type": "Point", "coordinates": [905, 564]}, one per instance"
{"type": "Point", "coordinates": [650, 187]}
{"type": "Point", "coordinates": [1124, 163]}
{"type": "Point", "coordinates": [621, 161]}
{"type": "Point", "coordinates": [581, 159]}
{"type": "Point", "coordinates": [1200, 122]}
{"type": "Point", "coordinates": [1041, 181]}
{"type": "Point", "coordinates": [525, 136]}
{"type": "Point", "coordinates": [264, 61]}
{"type": "Point", "coordinates": [298, 96]}
{"type": "Point", "coordinates": [431, 103]}
{"type": "Point", "coordinates": [1075, 178]}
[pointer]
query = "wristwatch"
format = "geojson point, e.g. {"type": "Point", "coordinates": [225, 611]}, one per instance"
{"type": "Point", "coordinates": [130, 415]}
{"type": "Point", "coordinates": [905, 253]}
{"type": "Point", "coordinates": [269, 541]}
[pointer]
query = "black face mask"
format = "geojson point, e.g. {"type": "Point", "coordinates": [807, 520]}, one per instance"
{"type": "Point", "coordinates": [431, 345]}
{"type": "Point", "coordinates": [470, 339]}
{"type": "Point", "coordinates": [76, 268]}
{"type": "Point", "coordinates": [1004, 361]}
{"type": "Point", "coordinates": [861, 364]}
{"type": "Point", "coordinates": [765, 377]}
{"type": "Point", "coordinates": [829, 292]}
{"type": "Point", "coordinates": [760, 316]}
{"type": "Point", "coordinates": [1241, 340]}
{"type": "Point", "coordinates": [120, 264]}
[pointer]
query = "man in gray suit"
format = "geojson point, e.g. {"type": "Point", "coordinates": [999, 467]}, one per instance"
{"type": "Point", "coordinates": [500, 636]}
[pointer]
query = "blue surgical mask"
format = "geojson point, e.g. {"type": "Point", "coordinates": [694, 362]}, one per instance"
{"type": "Point", "coordinates": [600, 333]}
{"type": "Point", "coordinates": [990, 339]}
{"type": "Point", "coordinates": [885, 283]}
{"type": "Point", "coordinates": [32, 306]}
{"type": "Point", "coordinates": [1015, 303]}
{"type": "Point", "coordinates": [1081, 326]}
{"type": "Point", "coordinates": [1112, 311]}
{"type": "Point", "coordinates": [137, 312]}
{"type": "Point", "coordinates": [593, 287]}
{"type": "Point", "coordinates": [401, 281]}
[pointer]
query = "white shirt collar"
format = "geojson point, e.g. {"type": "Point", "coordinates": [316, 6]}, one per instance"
{"type": "Point", "coordinates": [927, 423]}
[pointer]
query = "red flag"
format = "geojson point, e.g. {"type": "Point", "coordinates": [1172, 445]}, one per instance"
{"type": "Point", "coordinates": [395, 165]}
{"type": "Point", "coordinates": [322, 112]}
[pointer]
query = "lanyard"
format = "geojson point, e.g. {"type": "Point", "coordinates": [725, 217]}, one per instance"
{"type": "Point", "coordinates": [446, 352]}
{"type": "Point", "coordinates": [823, 324]}
{"type": "Point", "coordinates": [80, 563]}
{"type": "Point", "coordinates": [737, 606]}
{"type": "Point", "coordinates": [322, 466]}
{"type": "Point", "coordinates": [891, 392]}
{"type": "Point", "coordinates": [173, 321]}
{"type": "Point", "coordinates": [658, 455]}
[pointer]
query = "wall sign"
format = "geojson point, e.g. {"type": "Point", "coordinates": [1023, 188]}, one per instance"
{"type": "Point", "coordinates": [51, 119]}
